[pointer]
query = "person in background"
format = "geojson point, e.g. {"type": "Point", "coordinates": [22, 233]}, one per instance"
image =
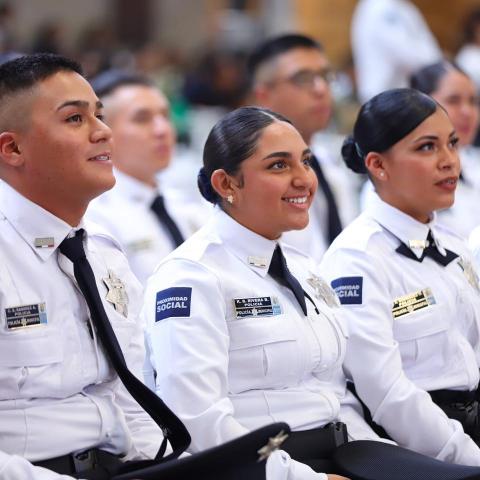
{"type": "Point", "coordinates": [468, 57]}
{"type": "Point", "coordinates": [390, 40]}
{"type": "Point", "coordinates": [291, 75]}
{"type": "Point", "coordinates": [456, 92]}
{"type": "Point", "coordinates": [407, 285]}
{"type": "Point", "coordinates": [148, 221]}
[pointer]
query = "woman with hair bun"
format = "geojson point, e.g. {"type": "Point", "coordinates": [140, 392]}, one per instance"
{"type": "Point", "coordinates": [237, 338]}
{"type": "Point", "coordinates": [407, 285]}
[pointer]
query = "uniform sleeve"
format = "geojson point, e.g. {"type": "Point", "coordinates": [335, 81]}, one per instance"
{"type": "Point", "coordinates": [146, 435]}
{"type": "Point", "coordinates": [14, 467]}
{"type": "Point", "coordinates": [188, 338]}
{"type": "Point", "coordinates": [373, 360]}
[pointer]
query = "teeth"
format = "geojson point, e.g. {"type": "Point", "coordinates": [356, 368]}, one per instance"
{"type": "Point", "coordinates": [102, 157]}
{"type": "Point", "coordinates": [296, 200]}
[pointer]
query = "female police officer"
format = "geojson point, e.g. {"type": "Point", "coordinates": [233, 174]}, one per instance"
{"type": "Point", "coordinates": [237, 338]}
{"type": "Point", "coordinates": [407, 284]}
{"type": "Point", "coordinates": [456, 92]}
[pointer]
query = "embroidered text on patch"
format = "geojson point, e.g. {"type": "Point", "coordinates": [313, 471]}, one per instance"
{"type": "Point", "coordinates": [348, 290]}
{"type": "Point", "coordinates": [173, 302]}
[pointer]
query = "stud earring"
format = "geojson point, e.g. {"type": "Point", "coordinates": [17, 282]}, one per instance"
{"type": "Point", "coordinates": [230, 199]}
{"type": "Point", "coordinates": [382, 174]}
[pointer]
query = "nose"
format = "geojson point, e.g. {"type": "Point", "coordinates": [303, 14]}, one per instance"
{"type": "Point", "coordinates": [161, 125]}
{"type": "Point", "coordinates": [450, 160]}
{"type": "Point", "coordinates": [304, 177]}
{"type": "Point", "coordinates": [320, 85]}
{"type": "Point", "coordinates": [101, 132]}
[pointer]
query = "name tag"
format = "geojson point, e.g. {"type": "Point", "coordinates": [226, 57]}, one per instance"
{"type": "Point", "coordinates": [25, 316]}
{"type": "Point", "coordinates": [140, 245]}
{"type": "Point", "coordinates": [256, 307]}
{"type": "Point", "coordinates": [173, 302]}
{"type": "Point", "coordinates": [413, 302]}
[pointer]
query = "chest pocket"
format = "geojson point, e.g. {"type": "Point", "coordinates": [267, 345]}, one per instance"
{"type": "Point", "coordinates": [31, 364]}
{"type": "Point", "coordinates": [423, 341]}
{"type": "Point", "coordinates": [263, 353]}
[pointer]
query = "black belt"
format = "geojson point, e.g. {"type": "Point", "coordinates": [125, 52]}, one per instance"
{"type": "Point", "coordinates": [89, 460]}
{"type": "Point", "coordinates": [441, 397]}
{"type": "Point", "coordinates": [315, 447]}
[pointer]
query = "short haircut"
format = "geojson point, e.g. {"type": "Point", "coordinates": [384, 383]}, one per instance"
{"type": "Point", "coordinates": [383, 121]}
{"type": "Point", "coordinates": [273, 47]}
{"type": "Point", "coordinates": [232, 140]}
{"type": "Point", "coordinates": [26, 71]}
{"type": "Point", "coordinates": [106, 82]}
{"type": "Point", "coordinates": [427, 79]}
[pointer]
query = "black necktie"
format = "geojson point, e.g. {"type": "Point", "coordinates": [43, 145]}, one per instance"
{"type": "Point", "coordinates": [334, 224]}
{"type": "Point", "coordinates": [429, 251]}
{"type": "Point", "coordinates": [173, 429]}
{"type": "Point", "coordinates": [279, 271]}
{"type": "Point", "coordinates": [158, 207]}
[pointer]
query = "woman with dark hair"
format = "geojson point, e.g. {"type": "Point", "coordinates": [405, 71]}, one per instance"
{"type": "Point", "coordinates": [452, 88]}
{"type": "Point", "coordinates": [237, 338]}
{"type": "Point", "coordinates": [407, 285]}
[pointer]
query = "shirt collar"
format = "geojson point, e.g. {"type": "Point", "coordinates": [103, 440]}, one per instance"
{"type": "Point", "coordinates": [252, 249]}
{"type": "Point", "coordinates": [408, 230]}
{"type": "Point", "coordinates": [40, 229]}
{"type": "Point", "coordinates": [133, 189]}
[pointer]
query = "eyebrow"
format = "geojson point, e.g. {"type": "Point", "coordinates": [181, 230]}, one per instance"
{"type": "Point", "coordinates": [285, 154]}
{"type": "Point", "coordinates": [79, 104]}
{"type": "Point", "coordinates": [433, 137]}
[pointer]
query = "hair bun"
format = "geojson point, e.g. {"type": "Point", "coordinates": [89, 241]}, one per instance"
{"type": "Point", "coordinates": [352, 155]}
{"type": "Point", "coordinates": [205, 187]}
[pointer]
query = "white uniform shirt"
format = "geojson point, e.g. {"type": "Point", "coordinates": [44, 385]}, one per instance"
{"type": "Point", "coordinates": [232, 348]}
{"type": "Point", "coordinates": [58, 394]}
{"type": "Point", "coordinates": [468, 59]}
{"type": "Point", "coordinates": [390, 40]}
{"type": "Point", "coordinates": [431, 344]}
{"type": "Point", "coordinates": [125, 212]}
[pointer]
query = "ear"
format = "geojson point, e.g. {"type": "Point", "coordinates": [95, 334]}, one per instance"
{"type": "Point", "coordinates": [375, 163]}
{"type": "Point", "coordinates": [9, 152]}
{"type": "Point", "coordinates": [261, 95]}
{"type": "Point", "coordinates": [222, 183]}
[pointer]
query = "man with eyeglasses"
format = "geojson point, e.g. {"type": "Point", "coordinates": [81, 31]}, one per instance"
{"type": "Point", "coordinates": [291, 75]}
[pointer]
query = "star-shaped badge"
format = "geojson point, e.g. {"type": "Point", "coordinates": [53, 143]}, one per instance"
{"type": "Point", "coordinates": [323, 291]}
{"type": "Point", "coordinates": [273, 444]}
{"type": "Point", "coordinates": [117, 294]}
{"type": "Point", "coordinates": [470, 273]}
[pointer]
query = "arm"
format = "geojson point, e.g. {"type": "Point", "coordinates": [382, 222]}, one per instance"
{"type": "Point", "coordinates": [190, 352]}
{"type": "Point", "coordinates": [405, 411]}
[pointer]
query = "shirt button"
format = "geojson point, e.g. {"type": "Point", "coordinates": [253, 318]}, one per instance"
{"type": "Point", "coordinates": [24, 372]}
{"type": "Point", "coordinates": [108, 434]}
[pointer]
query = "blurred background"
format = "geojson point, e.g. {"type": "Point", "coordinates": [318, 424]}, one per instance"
{"type": "Point", "coordinates": [195, 49]}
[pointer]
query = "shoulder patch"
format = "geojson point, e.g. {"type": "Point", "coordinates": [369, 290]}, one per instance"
{"type": "Point", "coordinates": [173, 302]}
{"type": "Point", "coordinates": [349, 290]}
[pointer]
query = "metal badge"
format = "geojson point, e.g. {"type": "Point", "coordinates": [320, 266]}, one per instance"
{"type": "Point", "coordinates": [117, 294]}
{"type": "Point", "coordinates": [273, 444]}
{"type": "Point", "coordinates": [260, 262]}
{"type": "Point", "coordinates": [323, 291]}
{"type": "Point", "coordinates": [44, 242]}
{"type": "Point", "coordinates": [423, 244]}
{"type": "Point", "coordinates": [469, 272]}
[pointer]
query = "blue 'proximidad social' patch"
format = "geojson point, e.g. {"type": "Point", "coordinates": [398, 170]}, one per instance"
{"type": "Point", "coordinates": [348, 290]}
{"type": "Point", "coordinates": [173, 302]}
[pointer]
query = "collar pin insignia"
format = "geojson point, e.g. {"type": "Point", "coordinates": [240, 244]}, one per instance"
{"type": "Point", "coordinates": [418, 244]}
{"type": "Point", "coordinates": [259, 262]}
{"type": "Point", "coordinates": [44, 242]}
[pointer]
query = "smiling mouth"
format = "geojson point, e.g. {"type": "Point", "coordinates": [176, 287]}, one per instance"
{"type": "Point", "coordinates": [296, 200]}
{"type": "Point", "coordinates": [103, 157]}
